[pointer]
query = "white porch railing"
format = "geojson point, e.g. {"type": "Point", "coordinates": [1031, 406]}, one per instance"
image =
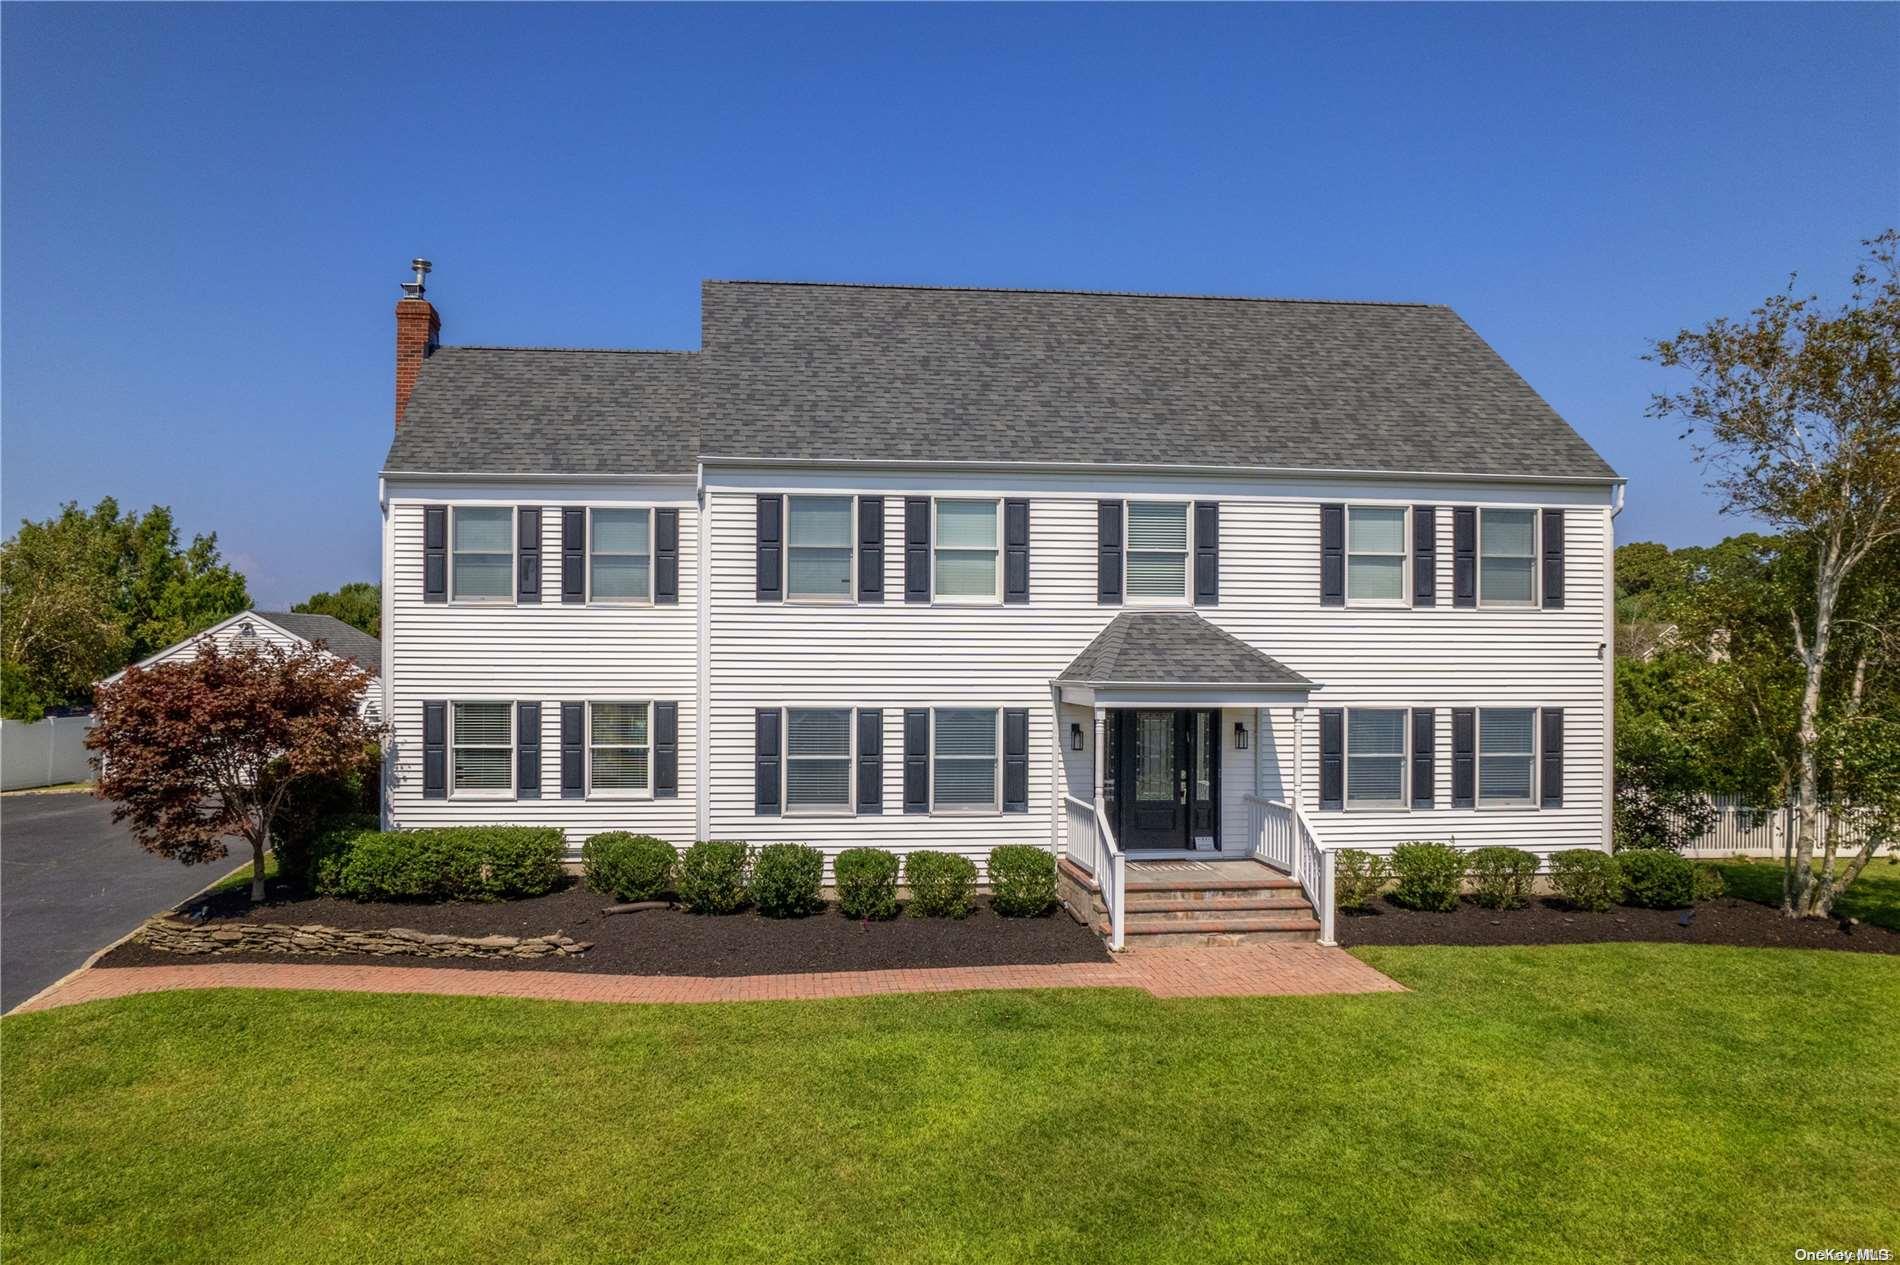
{"type": "Point", "coordinates": [1279, 834]}
{"type": "Point", "coordinates": [1092, 845]}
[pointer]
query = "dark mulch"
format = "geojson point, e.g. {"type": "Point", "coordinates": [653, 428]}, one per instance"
{"type": "Point", "coordinates": [661, 941]}
{"type": "Point", "coordinates": [1545, 921]}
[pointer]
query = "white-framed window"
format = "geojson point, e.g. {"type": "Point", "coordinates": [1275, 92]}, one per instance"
{"type": "Point", "coordinates": [820, 532]}
{"type": "Point", "coordinates": [619, 749]}
{"type": "Point", "coordinates": [817, 759]}
{"type": "Point", "coordinates": [968, 544]}
{"type": "Point", "coordinates": [1507, 557]}
{"type": "Point", "coordinates": [1507, 756]}
{"type": "Point", "coordinates": [1375, 554]}
{"type": "Point", "coordinates": [620, 555]}
{"type": "Point", "coordinates": [482, 748]}
{"type": "Point", "coordinates": [482, 553]}
{"type": "Point", "coordinates": [965, 760]}
{"type": "Point", "coordinates": [1375, 757]}
{"type": "Point", "coordinates": [1157, 538]}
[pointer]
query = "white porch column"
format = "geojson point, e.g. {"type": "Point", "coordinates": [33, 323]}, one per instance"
{"type": "Point", "coordinates": [1299, 757]}
{"type": "Point", "coordinates": [1259, 756]}
{"type": "Point", "coordinates": [1100, 759]}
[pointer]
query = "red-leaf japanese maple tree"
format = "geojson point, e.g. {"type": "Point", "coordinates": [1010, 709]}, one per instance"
{"type": "Point", "coordinates": [196, 751]}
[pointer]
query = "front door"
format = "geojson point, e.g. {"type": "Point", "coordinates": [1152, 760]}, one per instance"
{"type": "Point", "coordinates": [1165, 770]}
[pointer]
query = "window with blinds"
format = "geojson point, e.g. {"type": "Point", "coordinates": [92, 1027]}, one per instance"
{"type": "Point", "coordinates": [482, 740]}
{"type": "Point", "coordinates": [818, 759]}
{"type": "Point", "coordinates": [1375, 758]}
{"type": "Point", "coordinates": [620, 556]}
{"type": "Point", "coordinates": [964, 745]}
{"type": "Point", "coordinates": [482, 548]}
{"type": "Point", "coordinates": [1507, 557]}
{"type": "Point", "coordinates": [1375, 554]}
{"type": "Point", "coordinates": [1157, 549]}
{"type": "Point", "coordinates": [966, 550]}
{"type": "Point", "coordinates": [619, 747]}
{"type": "Point", "coordinates": [818, 548]}
{"type": "Point", "coordinates": [1506, 749]}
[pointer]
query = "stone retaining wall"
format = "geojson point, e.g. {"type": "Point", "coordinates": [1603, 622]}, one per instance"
{"type": "Point", "coordinates": [181, 935]}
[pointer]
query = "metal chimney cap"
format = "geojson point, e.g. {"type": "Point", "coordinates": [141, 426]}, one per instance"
{"type": "Point", "coordinates": [415, 289]}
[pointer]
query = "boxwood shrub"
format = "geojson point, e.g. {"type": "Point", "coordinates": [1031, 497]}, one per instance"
{"type": "Point", "coordinates": [1501, 877]}
{"type": "Point", "coordinates": [867, 883]}
{"type": "Point", "coordinates": [1708, 884]}
{"type": "Point", "coordinates": [1357, 877]}
{"type": "Point", "coordinates": [442, 863]}
{"type": "Point", "coordinates": [1655, 879]}
{"type": "Point", "coordinates": [1022, 880]}
{"type": "Point", "coordinates": [629, 867]}
{"type": "Point", "coordinates": [940, 884]}
{"type": "Point", "coordinates": [1586, 878]}
{"type": "Point", "coordinates": [712, 877]}
{"type": "Point", "coordinates": [1429, 875]}
{"type": "Point", "coordinates": [787, 879]}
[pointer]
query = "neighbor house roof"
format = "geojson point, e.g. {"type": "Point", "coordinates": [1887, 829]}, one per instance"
{"type": "Point", "coordinates": [1173, 648]}
{"type": "Point", "coordinates": [340, 639]}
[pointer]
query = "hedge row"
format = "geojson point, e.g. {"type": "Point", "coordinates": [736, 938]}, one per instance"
{"type": "Point", "coordinates": [442, 863]}
{"type": "Point", "coordinates": [1431, 876]}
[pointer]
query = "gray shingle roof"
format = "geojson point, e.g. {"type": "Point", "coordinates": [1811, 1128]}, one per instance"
{"type": "Point", "coordinates": [1173, 648]}
{"type": "Point", "coordinates": [337, 637]}
{"type": "Point", "coordinates": [533, 410]}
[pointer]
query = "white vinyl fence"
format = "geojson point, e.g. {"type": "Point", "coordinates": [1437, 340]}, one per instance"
{"type": "Point", "coordinates": [43, 753]}
{"type": "Point", "coordinates": [1760, 832]}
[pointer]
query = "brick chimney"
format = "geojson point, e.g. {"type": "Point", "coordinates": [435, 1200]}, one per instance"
{"type": "Point", "coordinates": [418, 332]}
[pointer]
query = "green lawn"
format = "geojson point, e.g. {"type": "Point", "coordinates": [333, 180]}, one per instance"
{"type": "Point", "coordinates": [1873, 898]}
{"type": "Point", "coordinates": [1601, 1103]}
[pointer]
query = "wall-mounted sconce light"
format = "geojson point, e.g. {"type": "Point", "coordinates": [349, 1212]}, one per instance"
{"type": "Point", "coordinates": [1240, 736]}
{"type": "Point", "coordinates": [1075, 736]}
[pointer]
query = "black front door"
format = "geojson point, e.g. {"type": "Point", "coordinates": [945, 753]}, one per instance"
{"type": "Point", "coordinates": [1165, 772]}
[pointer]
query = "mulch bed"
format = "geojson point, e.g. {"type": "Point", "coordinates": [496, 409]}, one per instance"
{"type": "Point", "coordinates": [658, 941]}
{"type": "Point", "coordinates": [1546, 921]}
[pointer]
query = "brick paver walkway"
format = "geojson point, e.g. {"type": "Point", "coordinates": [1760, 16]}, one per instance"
{"type": "Point", "coordinates": [1227, 971]}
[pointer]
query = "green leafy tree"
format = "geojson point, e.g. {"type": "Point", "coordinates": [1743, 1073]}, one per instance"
{"type": "Point", "coordinates": [358, 604]}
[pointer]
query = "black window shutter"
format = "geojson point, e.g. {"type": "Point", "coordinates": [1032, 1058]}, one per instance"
{"type": "Point", "coordinates": [916, 760]}
{"type": "Point", "coordinates": [1424, 767]}
{"type": "Point", "coordinates": [666, 557]}
{"type": "Point", "coordinates": [1424, 555]}
{"type": "Point", "coordinates": [870, 548]}
{"type": "Point", "coordinates": [573, 751]}
{"type": "Point", "coordinates": [1464, 757]}
{"type": "Point", "coordinates": [1016, 551]}
{"type": "Point", "coordinates": [1108, 553]}
{"type": "Point", "coordinates": [870, 760]}
{"type": "Point", "coordinates": [1332, 757]}
{"type": "Point", "coordinates": [916, 549]}
{"type": "Point", "coordinates": [573, 555]}
{"type": "Point", "coordinates": [527, 751]}
{"type": "Point", "coordinates": [770, 546]}
{"type": "Point", "coordinates": [435, 750]}
{"type": "Point", "coordinates": [528, 554]}
{"type": "Point", "coordinates": [1207, 553]}
{"type": "Point", "coordinates": [766, 738]}
{"type": "Point", "coordinates": [666, 750]}
{"type": "Point", "coordinates": [435, 553]}
{"type": "Point", "coordinates": [1464, 556]}
{"type": "Point", "coordinates": [1551, 753]}
{"type": "Point", "coordinates": [1332, 555]}
{"type": "Point", "coordinates": [1015, 759]}
{"type": "Point", "coordinates": [1553, 560]}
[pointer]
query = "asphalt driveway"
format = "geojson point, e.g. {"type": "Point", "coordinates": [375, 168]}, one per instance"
{"type": "Point", "coordinates": [72, 882]}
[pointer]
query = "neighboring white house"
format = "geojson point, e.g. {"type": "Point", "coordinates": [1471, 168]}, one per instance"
{"type": "Point", "coordinates": [289, 630]}
{"type": "Point", "coordinates": [1129, 576]}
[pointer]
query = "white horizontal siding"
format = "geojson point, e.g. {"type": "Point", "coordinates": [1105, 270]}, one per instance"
{"type": "Point", "coordinates": [265, 633]}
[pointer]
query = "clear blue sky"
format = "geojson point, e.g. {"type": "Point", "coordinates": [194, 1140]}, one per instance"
{"type": "Point", "coordinates": [207, 209]}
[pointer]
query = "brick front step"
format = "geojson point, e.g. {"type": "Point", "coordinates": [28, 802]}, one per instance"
{"type": "Point", "coordinates": [1249, 878]}
{"type": "Point", "coordinates": [1225, 931]}
{"type": "Point", "coordinates": [1203, 911]}
{"type": "Point", "coordinates": [1232, 903]}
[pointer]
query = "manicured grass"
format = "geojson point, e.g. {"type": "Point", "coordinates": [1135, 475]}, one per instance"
{"type": "Point", "coordinates": [1599, 1102]}
{"type": "Point", "coordinates": [1873, 898]}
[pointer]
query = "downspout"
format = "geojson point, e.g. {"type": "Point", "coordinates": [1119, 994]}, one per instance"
{"type": "Point", "coordinates": [702, 758]}
{"type": "Point", "coordinates": [1609, 665]}
{"type": "Point", "coordinates": [388, 659]}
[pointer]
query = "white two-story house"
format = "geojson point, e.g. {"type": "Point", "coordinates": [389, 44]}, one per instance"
{"type": "Point", "coordinates": [1133, 577]}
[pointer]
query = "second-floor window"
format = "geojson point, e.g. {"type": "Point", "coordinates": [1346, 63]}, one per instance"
{"type": "Point", "coordinates": [620, 555]}
{"type": "Point", "coordinates": [1507, 557]}
{"type": "Point", "coordinates": [967, 543]}
{"type": "Point", "coordinates": [1157, 550]}
{"type": "Point", "coordinates": [483, 549]}
{"type": "Point", "coordinates": [1375, 554]}
{"type": "Point", "coordinates": [818, 551]}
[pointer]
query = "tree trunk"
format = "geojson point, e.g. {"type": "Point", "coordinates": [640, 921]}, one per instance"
{"type": "Point", "coordinates": [1807, 793]}
{"type": "Point", "coordinates": [259, 846]}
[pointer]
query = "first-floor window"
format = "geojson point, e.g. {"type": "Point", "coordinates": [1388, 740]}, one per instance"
{"type": "Point", "coordinates": [1506, 750]}
{"type": "Point", "coordinates": [963, 751]}
{"type": "Point", "coordinates": [619, 747]}
{"type": "Point", "coordinates": [482, 736]}
{"type": "Point", "coordinates": [1375, 758]}
{"type": "Point", "coordinates": [817, 758]}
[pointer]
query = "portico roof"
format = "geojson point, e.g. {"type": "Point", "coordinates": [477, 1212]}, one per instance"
{"type": "Point", "coordinates": [1177, 653]}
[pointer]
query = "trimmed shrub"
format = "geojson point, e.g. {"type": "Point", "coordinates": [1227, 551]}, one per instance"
{"type": "Point", "coordinates": [1357, 877]}
{"type": "Point", "coordinates": [712, 877]}
{"type": "Point", "coordinates": [1707, 884]}
{"type": "Point", "coordinates": [940, 884]}
{"type": "Point", "coordinates": [1022, 880]}
{"type": "Point", "coordinates": [314, 807]}
{"type": "Point", "coordinates": [323, 857]}
{"type": "Point", "coordinates": [629, 867]}
{"type": "Point", "coordinates": [1657, 880]}
{"type": "Point", "coordinates": [444, 863]}
{"type": "Point", "coordinates": [1501, 877]}
{"type": "Point", "coordinates": [786, 880]}
{"type": "Point", "coordinates": [1429, 875]}
{"type": "Point", "coordinates": [867, 883]}
{"type": "Point", "coordinates": [1588, 879]}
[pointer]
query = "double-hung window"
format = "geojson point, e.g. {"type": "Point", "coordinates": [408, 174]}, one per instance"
{"type": "Point", "coordinates": [818, 548]}
{"type": "Point", "coordinates": [964, 776]}
{"type": "Point", "coordinates": [967, 544]}
{"type": "Point", "coordinates": [619, 749]}
{"type": "Point", "coordinates": [818, 759]}
{"type": "Point", "coordinates": [620, 555]}
{"type": "Point", "coordinates": [1375, 554]}
{"type": "Point", "coordinates": [482, 737]}
{"type": "Point", "coordinates": [483, 549]}
{"type": "Point", "coordinates": [1375, 758]}
{"type": "Point", "coordinates": [1157, 550]}
{"type": "Point", "coordinates": [1506, 756]}
{"type": "Point", "coordinates": [1507, 557]}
